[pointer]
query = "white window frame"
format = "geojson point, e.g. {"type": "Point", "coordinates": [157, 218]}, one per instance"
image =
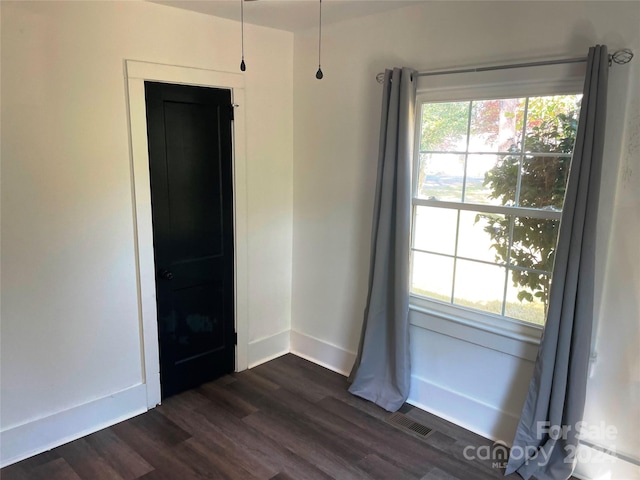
{"type": "Point", "coordinates": [498, 332]}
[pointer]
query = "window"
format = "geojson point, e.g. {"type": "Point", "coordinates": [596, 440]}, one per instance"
{"type": "Point", "coordinates": [489, 183]}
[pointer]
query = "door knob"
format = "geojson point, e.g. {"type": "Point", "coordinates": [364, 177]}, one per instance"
{"type": "Point", "coordinates": [165, 274]}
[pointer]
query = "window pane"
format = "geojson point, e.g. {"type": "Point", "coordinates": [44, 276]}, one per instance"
{"type": "Point", "coordinates": [491, 179]}
{"type": "Point", "coordinates": [525, 303]}
{"type": "Point", "coordinates": [444, 126]}
{"type": "Point", "coordinates": [479, 286]}
{"type": "Point", "coordinates": [544, 181]}
{"type": "Point", "coordinates": [496, 125]}
{"type": "Point", "coordinates": [435, 229]}
{"type": "Point", "coordinates": [482, 235]}
{"type": "Point", "coordinates": [432, 276]}
{"type": "Point", "coordinates": [498, 152]}
{"type": "Point", "coordinates": [534, 243]}
{"type": "Point", "coordinates": [440, 176]}
{"type": "Point", "coordinates": [552, 123]}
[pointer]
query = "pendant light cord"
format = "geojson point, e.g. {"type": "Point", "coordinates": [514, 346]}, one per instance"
{"type": "Point", "coordinates": [320, 34]}
{"type": "Point", "coordinates": [319, 73]}
{"type": "Point", "coordinates": [243, 67]}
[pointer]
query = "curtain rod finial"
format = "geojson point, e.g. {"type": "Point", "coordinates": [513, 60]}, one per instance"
{"type": "Point", "coordinates": [621, 56]}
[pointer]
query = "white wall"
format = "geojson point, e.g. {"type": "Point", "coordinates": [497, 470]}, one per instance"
{"type": "Point", "coordinates": [70, 320]}
{"type": "Point", "coordinates": [613, 391]}
{"type": "Point", "coordinates": [335, 160]}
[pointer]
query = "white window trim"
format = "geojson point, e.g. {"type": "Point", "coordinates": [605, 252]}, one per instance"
{"type": "Point", "coordinates": [507, 335]}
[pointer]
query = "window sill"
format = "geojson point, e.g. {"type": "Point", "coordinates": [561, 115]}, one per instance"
{"type": "Point", "coordinates": [497, 333]}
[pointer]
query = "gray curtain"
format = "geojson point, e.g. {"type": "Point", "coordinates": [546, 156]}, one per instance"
{"type": "Point", "coordinates": [381, 372]}
{"type": "Point", "coordinates": [546, 434]}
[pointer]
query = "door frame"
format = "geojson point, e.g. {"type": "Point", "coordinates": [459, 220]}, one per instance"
{"type": "Point", "coordinates": [136, 73]}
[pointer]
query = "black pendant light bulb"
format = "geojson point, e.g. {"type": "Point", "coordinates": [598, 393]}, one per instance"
{"type": "Point", "coordinates": [319, 73]}
{"type": "Point", "coordinates": [243, 67]}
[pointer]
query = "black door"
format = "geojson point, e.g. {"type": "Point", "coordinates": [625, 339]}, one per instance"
{"type": "Point", "coordinates": [189, 133]}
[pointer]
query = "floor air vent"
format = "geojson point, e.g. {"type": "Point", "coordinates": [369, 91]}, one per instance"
{"type": "Point", "coordinates": [406, 424]}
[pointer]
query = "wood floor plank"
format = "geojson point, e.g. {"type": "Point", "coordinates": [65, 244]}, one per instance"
{"type": "Point", "coordinates": [308, 421]}
{"type": "Point", "coordinates": [437, 474]}
{"type": "Point", "coordinates": [356, 436]}
{"type": "Point", "coordinates": [122, 458]}
{"type": "Point", "coordinates": [334, 465]}
{"type": "Point", "coordinates": [57, 469]}
{"type": "Point", "coordinates": [210, 462]}
{"type": "Point", "coordinates": [282, 476]}
{"type": "Point", "coordinates": [407, 452]}
{"type": "Point", "coordinates": [343, 435]}
{"type": "Point", "coordinates": [14, 472]}
{"type": "Point", "coordinates": [259, 382]}
{"type": "Point", "coordinates": [188, 401]}
{"type": "Point", "coordinates": [224, 397]}
{"type": "Point", "coordinates": [160, 428]}
{"type": "Point", "coordinates": [290, 378]}
{"type": "Point", "coordinates": [380, 469]}
{"type": "Point", "coordinates": [225, 380]}
{"type": "Point", "coordinates": [155, 451]}
{"type": "Point", "coordinates": [335, 383]}
{"type": "Point", "coordinates": [262, 447]}
{"type": "Point", "coordinates": [442, 442]}
{"type": "Point", "coordinates": [299, 415]}
{"type": "Point", "coordinates": [86, 462]}
{"type": "Point", "coordinates": [209, 433]}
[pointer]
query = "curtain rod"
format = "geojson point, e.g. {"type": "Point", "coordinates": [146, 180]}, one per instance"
{"type": "Point", "coordinates": [619, 56]}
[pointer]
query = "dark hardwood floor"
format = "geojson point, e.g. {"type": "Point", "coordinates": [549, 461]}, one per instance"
{"type": "Point", "coordinates": [288, 419]}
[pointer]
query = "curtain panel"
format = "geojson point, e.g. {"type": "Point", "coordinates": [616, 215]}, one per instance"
{"type": "Point", "coordinates": [546, 438]}
{"type": "Point", "coordinates": [382, 372]}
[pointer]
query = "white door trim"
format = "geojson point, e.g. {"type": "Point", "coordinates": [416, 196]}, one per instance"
{"type": "Point", "coordinates": [135, 73]}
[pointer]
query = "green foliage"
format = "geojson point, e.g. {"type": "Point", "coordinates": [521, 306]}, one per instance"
{"type": "Point", "coordinates": [551, 128]}
{"type": "Point", "coordinates": [443, 125]}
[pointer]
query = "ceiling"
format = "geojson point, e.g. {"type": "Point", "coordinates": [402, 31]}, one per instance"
{"type": "Point", "coordinates": [290, 15]}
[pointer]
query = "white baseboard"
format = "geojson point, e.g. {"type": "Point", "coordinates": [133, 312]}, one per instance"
{"type": "Point", "coordinates": [322, 353]}
{"type": "Point", "coordinates": [594, 463]}
{"type": "Point", "coordinates": [268, 348]}
{"type": "Point", "coordinates": [467, 412]}
{"type": "Point", "coordinates": [40, 435]}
